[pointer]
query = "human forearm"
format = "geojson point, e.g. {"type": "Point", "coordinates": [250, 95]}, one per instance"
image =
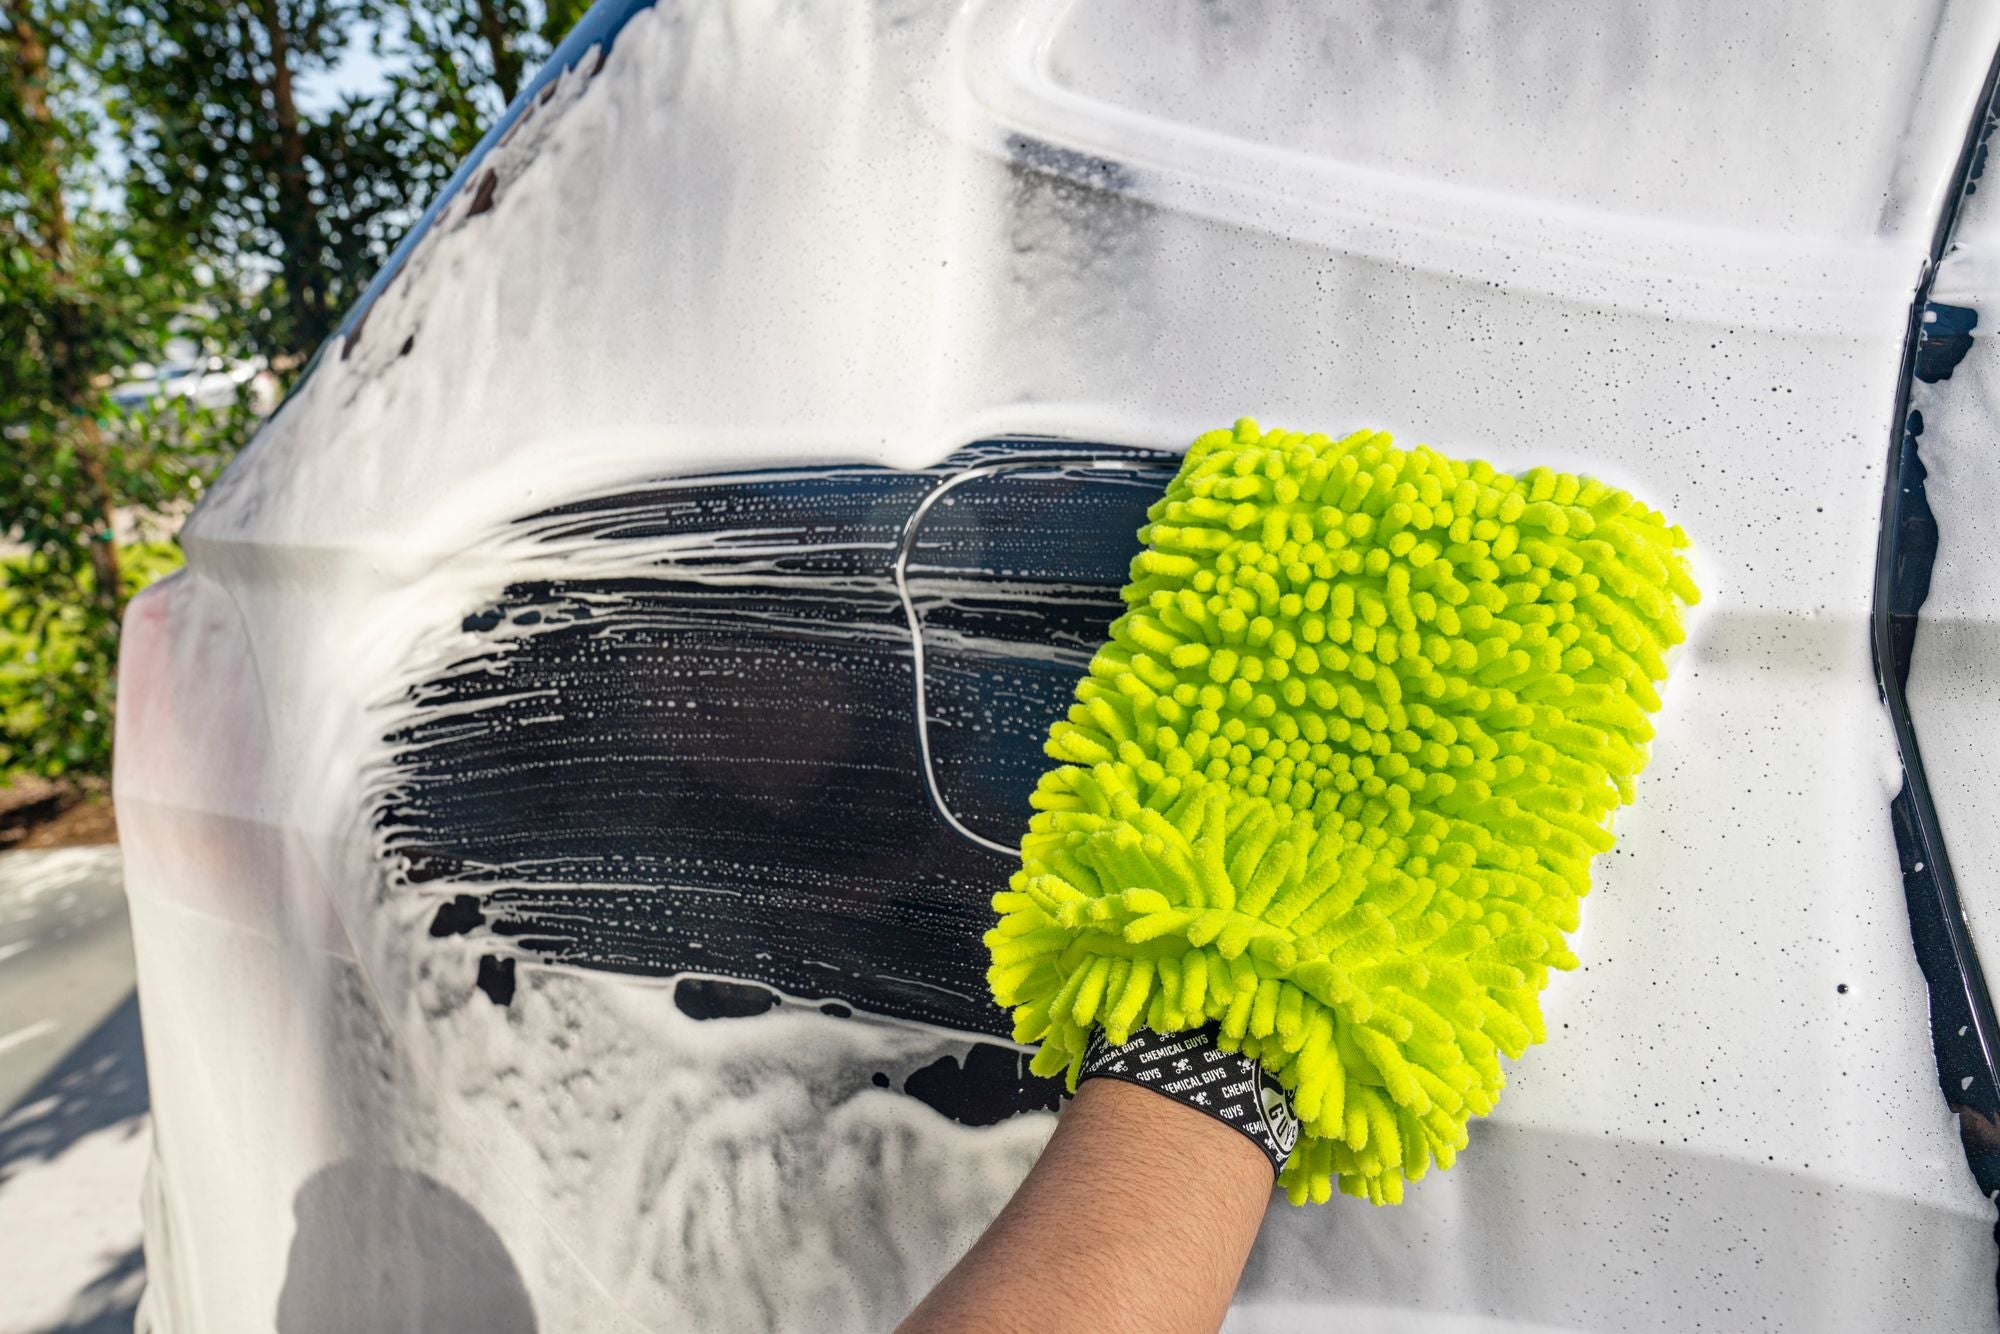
{"type": "Point", "coordinates": [1138, 1216]}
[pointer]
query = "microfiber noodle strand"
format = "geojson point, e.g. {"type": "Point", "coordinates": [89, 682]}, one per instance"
{"type": "Point", "coordinates": [1336, 780]}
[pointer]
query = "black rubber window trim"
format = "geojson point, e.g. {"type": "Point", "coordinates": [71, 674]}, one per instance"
{"type": "Point", "coordinates": [1964, 1032]}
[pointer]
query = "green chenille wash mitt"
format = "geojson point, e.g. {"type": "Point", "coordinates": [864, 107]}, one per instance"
{"type": "Point", "coordinates": [1336, 780]}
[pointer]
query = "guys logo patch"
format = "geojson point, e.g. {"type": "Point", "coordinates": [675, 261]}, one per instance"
{"type": "Point", "coordinates": [1276, 1104]}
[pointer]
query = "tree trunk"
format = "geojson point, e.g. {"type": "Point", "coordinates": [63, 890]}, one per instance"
{"type": "Point", "coordinates": [494, 27]}
{"type": "Point", "coordinates": [52, 217]}
{"type": "Point", "coordinates": [104, 561]}
{"type": "Point", "coordinates": [298, 221]}
{"type": "Point", "coordinates": [68, 378]}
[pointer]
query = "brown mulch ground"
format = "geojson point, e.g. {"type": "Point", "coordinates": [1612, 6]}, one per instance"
{"type": "Point", "coordinates": [37, 813]}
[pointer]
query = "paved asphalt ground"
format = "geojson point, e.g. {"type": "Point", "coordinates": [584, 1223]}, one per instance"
{"type": "Point", "coordinates": [74, 1132]}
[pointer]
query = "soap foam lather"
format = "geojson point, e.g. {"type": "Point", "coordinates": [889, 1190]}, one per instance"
{"type": "Point", "coordinates": [1336, 780]}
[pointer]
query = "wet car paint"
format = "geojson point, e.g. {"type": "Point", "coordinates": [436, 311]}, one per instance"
{"type": "Point", "coordinates": [1082, 231]}
{"type": "Point", "coordinates": [732, 758]}
{"type": "Point", "coordinates": [785, 746]}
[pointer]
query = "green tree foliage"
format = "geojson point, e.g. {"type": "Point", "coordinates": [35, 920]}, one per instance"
{"type": "Point", "coordinates": [60, 602]}
{"type": "Point", "coordinates": [76, 298]}
{"type": "Point", "coordinates": [465, 60]}
{"type": "Point", "coordinates": [160, 175]}
{"type": "Point", "coordinates": [82, 291]}
{"type": "Point", "coordinates": [301, 206]}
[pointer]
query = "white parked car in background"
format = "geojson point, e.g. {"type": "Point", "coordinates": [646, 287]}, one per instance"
{"type": "Point", "coordinates": [562, 794]}
{"type": "Point", "coordinates": [208, 382]}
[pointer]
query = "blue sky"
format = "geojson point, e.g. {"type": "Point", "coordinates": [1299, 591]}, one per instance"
{"type": "Point", "coordinates": [359, 71]}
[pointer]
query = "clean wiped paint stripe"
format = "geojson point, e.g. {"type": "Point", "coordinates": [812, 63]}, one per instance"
{"type": "Point", "coordinates": [775, 728]}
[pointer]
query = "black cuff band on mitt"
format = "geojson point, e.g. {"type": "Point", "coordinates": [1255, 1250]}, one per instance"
{"type": "Point", "coordinates": [1189, 1068]}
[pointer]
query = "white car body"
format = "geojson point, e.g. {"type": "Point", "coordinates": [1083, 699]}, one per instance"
{"type": "Point", "coordinates": [409, 1073]}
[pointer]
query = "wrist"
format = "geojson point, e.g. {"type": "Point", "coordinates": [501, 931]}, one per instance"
{"type": "Point", "coordinates": [1190, 1068]}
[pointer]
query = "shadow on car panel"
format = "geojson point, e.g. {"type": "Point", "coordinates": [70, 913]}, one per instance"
{"type": "Point", "coordinates": [779, 728]}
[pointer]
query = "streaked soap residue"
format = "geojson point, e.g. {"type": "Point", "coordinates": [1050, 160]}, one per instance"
{"type": "Point", "coordinates": [821, 235]}
{"type": "Point", "coordinates": [708, 745]}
